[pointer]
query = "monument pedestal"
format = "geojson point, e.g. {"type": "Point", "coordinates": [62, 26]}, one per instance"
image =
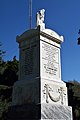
{"type": "Point", "coordinates": [39, 91]}
{"type": "Point", "coordinates": [52, 105]}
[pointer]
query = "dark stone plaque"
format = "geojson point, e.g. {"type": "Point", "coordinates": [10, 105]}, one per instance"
{"type": "Point", "coordinates": [28, 59]}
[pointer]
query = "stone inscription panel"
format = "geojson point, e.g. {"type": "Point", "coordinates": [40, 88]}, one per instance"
{"type": "Point", "coordinates": [30, 60]}
{"type": "Point", "coordinates": [49, 60]}
{"type": "Point", "coordinates": [29, 52]}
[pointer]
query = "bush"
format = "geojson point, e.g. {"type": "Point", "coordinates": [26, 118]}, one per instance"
{"type": "Point", "coordinates": [5, 100]}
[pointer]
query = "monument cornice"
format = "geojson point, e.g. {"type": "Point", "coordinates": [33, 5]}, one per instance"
{"type": "Point", "coordinates": [49, 37]}
{"type": "Point", "coordinates": [47, 33]}
{"type": "Point", "coordinates": [28, 34]}
{"type": "Point", "coordinates": [58, 39]}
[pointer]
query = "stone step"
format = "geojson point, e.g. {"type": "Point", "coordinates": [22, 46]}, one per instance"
{"type": "Point", "coordinates": [40, 112]}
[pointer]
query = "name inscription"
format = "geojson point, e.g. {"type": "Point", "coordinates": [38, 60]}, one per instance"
{"type": "Point", "coordinates": [27, 60]}
{"type": "Point", "coordinates": [50, 60]}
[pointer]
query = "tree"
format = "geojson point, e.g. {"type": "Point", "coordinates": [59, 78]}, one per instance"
{"type": "Point", "coordinates": [10, 73]}
{"type": "Point", "coordinates": [74, 98]}
{"type": "Point", "coordinates": [7, 79]}
{"type": "Point", "coordinates": [79, 41]}
{"type": "Point", "coordinates": [2, 53]}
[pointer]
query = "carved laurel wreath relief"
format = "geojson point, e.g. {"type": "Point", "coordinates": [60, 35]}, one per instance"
{"type": "Point", "coordinates": [48, 93]}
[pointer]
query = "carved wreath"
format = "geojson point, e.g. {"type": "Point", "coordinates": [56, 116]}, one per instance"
{"type": "Point", "coordinates": [47, 91]}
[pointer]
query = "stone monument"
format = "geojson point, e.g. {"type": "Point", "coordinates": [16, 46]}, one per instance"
{"type": "Point", "coordinates": [40, 93]}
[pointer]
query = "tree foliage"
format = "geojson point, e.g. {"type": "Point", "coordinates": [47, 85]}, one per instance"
{"type": "Point", "coordinates": [74, 98]}
{"type": "Point", "coordinates": [8, 72]}
{"type": "Point", "coordinates": [2, 53]}
{"type": "Point", "coordinates": [5, 100]}
{"type": "Point", "coordinates": [8, 75]}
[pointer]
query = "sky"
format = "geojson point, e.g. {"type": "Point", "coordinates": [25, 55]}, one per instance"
{"type": "Point", "coordinates": [62, 16]}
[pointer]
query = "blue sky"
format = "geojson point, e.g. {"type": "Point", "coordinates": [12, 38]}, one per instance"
{"type": "Point", "coordinates": [62, 16]}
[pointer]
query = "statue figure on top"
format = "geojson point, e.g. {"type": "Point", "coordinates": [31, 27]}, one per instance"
{"type": "Point", "coordinates": [40, 19]}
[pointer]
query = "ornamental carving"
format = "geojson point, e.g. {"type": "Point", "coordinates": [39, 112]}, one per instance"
{"type": "Point", "coordinates": [40, 17]}
{"type": "Point", "coordinates": [48, 92]}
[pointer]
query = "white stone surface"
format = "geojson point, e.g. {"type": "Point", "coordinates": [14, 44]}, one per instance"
{"type": "Point", "coordinates": [56, 112]}
{"type": "Point", "coordinates": [50, 61]}
{"type": "Point", "coordinates": [53, 34]}
{"type": "Point", "coordinates": [40, 19]}
{"type": "Point", "coordinates": [53, 92]}
{"type": "Point", "coordinates": [39, 91]}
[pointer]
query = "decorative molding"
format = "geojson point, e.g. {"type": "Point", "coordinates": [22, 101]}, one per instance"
{"type": "Point", "coordinates": [47, 92]}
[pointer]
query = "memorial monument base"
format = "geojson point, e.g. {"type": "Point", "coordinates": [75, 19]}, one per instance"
{"type": "Point", "coordinates": [32, 91]}
{"type": "Point", "coordinates": [40, 112]}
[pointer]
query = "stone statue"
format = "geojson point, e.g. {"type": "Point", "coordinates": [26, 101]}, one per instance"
{"type": "Point", "coordinates": [40, 18]}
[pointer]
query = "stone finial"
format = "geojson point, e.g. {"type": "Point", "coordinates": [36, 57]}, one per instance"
{"type": "Point", "coordinates": [40, 19]}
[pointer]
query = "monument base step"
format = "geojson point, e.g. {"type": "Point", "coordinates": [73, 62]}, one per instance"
{"type": "Point", "coordinates": [40, 112]}
{"type": "Point", "coordinates": [56, 112]}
